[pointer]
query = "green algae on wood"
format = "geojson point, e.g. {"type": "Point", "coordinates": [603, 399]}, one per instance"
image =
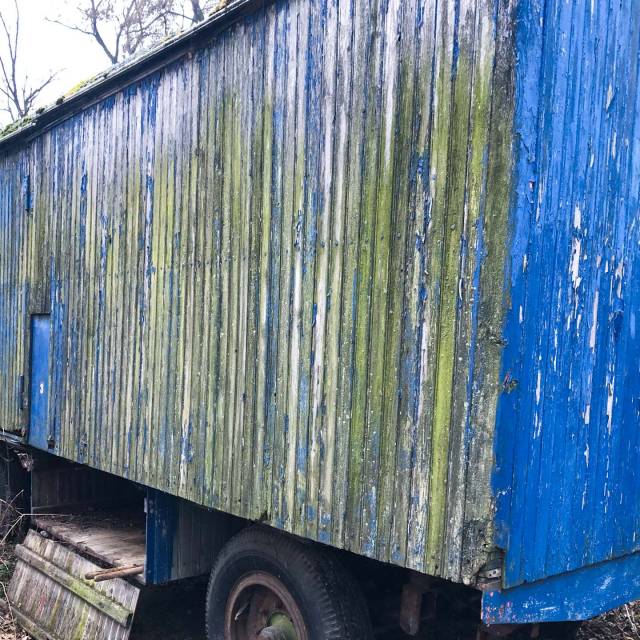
{"type": "Point", "coordinates": [265, 263]}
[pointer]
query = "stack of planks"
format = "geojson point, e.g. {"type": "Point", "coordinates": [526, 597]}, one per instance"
{"type": "Point", "coordinates": [49, 586]}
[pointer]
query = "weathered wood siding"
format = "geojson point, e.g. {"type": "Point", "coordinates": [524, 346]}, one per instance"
{"type": "Point", "coordinates": [15, 283]}
{"type": "Point", "coordinates": [275, 274]}
{"type": "Point", "coordinates": [568, 445]}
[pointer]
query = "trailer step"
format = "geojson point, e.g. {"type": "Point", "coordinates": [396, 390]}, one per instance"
{"type": "Point", "coordinates": [52, 599]}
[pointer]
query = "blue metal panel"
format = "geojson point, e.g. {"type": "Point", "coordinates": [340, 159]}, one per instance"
{"type": "Point", "coordinates": [39, 430]}
{"type": "Point", "coordinates": [162, 517]}
{"type": "Point", "coordinates": [567, 476]}
{"type": "Point", "coordinates": [578, 595]}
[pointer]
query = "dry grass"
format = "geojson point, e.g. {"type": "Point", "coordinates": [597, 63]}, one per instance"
{"type": "Point", "coordinates": [9, 629]}
{"type": "Point", "coordinates": [10, 521]}
{"type": "Point", "coordinates": [623, 624]}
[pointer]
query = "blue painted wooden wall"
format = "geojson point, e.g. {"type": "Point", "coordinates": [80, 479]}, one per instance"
{"type": "Point", "coordinates": [568, 432]}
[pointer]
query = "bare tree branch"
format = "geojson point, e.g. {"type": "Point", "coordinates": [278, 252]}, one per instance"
{"type": "Point", "coordinates": [20, 96]}
{"type": "Point", "coordinates": [123, 27]}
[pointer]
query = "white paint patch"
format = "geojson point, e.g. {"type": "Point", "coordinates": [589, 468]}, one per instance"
{"type": "Point", "coordinates": [594, 321]}
{"type": "Point", "coordinates": [574, 269]}
{"type": "Point", "coordinates": [521, 316]}
{"type": "Point", "coordinates": [525, 262]}
{"type": "Point", "coordinates": [607, 582]}
{"type": "Point", "coordinates": [610, 95]}
{"type": "Point", "coordinates": [586, 455]}
{"type": "Point", "coordinates": [614, 144]}
{"type": "Point", "coordinates": [390, 70]}
{"type": "Point", "coordinates": [577, 217]}
{"type": "Point", "coordinates": [538, 386]}
{"type": "Point", "coordinates": [611, 389]}
{"type": "Point", "coordinates": [619, 276]}
{"type": "Point", "coordinates": [587, 414]}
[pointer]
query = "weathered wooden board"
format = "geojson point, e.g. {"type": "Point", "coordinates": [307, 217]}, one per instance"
{"type": "Point", "coordinates": [274, 270]}
{"type": "Point", "coordinates": [52, 600]}
{"type": "Point", "coordinates": [113, 538]}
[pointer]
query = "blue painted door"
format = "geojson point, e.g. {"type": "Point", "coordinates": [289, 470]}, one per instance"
{"type": "Point", "coordinates": [39, 401]}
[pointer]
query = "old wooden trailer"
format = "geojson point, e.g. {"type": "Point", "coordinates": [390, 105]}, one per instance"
{"type": "Point", "coordinates": [322, 290]}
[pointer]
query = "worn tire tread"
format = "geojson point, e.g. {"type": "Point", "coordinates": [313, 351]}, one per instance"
{"type": "Point", "coordinates": [339, 597]}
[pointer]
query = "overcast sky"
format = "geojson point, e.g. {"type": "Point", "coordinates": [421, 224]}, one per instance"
{"type": "Point", "coordinates": [46, 47]}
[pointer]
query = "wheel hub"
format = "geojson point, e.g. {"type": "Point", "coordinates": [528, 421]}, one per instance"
{"type": "Point", "coordinates": [280, 628]}
{"type": "Point", "coordinates": [260, 607]}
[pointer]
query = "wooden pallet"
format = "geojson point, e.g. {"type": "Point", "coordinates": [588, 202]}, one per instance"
{"type": "Point", "coordinates": [52, 600]}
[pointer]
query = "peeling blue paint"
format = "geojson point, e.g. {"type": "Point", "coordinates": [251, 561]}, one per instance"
{"type": "Point", "coordinates": [567, 475]}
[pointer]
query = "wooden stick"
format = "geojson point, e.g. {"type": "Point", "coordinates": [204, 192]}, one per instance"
{"type": "Point", "coordinates": [115, 572]}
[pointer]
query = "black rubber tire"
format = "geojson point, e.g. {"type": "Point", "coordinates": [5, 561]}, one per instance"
{"type": "Point", "coordinates": [329, 599]}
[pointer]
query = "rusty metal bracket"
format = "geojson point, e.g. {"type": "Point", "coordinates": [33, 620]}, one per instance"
{"type": "Point", "coordinates": [489, 578]}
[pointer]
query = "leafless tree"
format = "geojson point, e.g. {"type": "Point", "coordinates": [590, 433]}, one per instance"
{"type": "Point", "coordinates": [15, 88]}
{"type": "Point", "coordinates": [122, 27]}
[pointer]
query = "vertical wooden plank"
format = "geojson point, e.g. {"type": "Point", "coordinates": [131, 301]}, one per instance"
{"type": "Point", "coordinates": [214, 204]}
{"type": "Point", "coordinates": [405, 299]}
{"type": "Point", "coordinates": [394, 154]}
{"type": "Point", "coordinates": [469, 528]}
{"type": "Point", "coordinates": [332, 481]}
{"type": "Point", "coordinates": [364, 437]}
{"type": "Point", "coordinates": [443, 263]}
{"type": "Point", "coordinates": [253, 440]}
{"type": "Point", "coordinates": [267, 300]}
{"type": "Point", "coordinates": [319, 446]}
{"type": "Point", "coordinates": [279, 418]}
{"type": "Point", "coordinates": [292, 465]}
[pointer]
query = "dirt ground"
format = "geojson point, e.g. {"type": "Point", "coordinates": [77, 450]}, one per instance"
{"type": "Point", "coordinates": [177, 613]}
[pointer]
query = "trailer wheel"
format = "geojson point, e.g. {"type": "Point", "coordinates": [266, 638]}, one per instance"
{"type": "Point", "coordinates": [269, 586]}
